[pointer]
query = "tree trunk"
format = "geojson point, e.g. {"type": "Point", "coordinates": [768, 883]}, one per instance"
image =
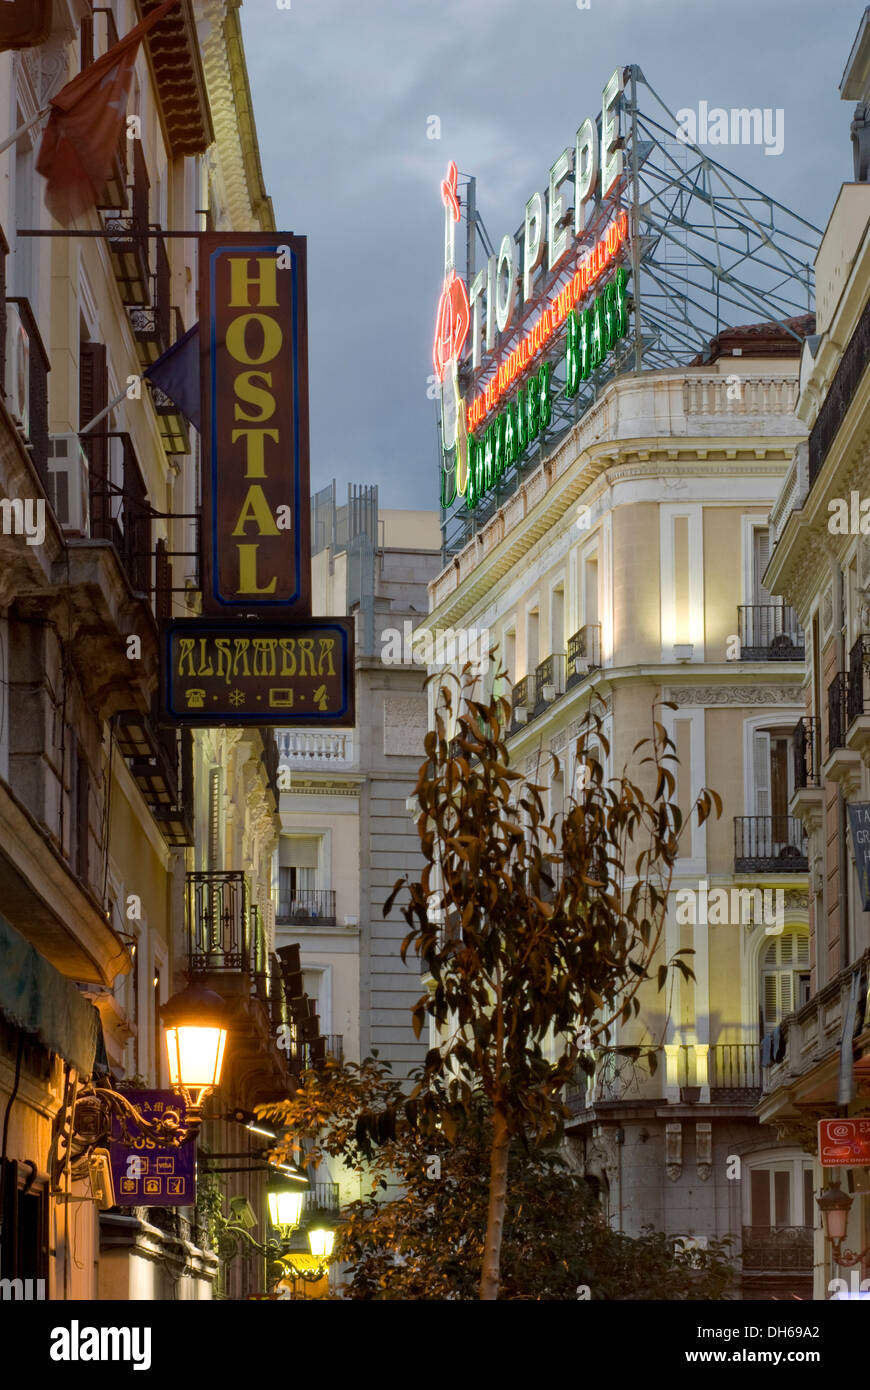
{"type": "Point", "coordinates": [498, 1169]}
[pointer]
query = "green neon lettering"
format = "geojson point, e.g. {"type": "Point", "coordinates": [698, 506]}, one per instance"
{"type": "Point", "coordinates": [544, 401]}
{"type": "Point", "coordinates": [572, 357]}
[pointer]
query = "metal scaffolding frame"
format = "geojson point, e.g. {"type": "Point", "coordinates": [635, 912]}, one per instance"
{"type": "Point", "coordinates": [706, 251]}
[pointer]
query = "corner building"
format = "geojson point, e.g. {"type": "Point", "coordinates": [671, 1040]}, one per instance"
{"type": "Point", "coordinates": [628, 568]}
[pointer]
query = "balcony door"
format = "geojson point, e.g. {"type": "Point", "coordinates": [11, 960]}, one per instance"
{"type": "Point", "coordinates": [773, 779]}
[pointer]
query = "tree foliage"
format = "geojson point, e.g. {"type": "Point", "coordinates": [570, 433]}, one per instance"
{"type": "Point", "coordinates": [535, 932]}
{"type": "Point", "coordinates": [418, 1229]}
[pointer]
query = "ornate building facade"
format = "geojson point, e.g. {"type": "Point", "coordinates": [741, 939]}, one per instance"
{"type": "Point", "coordinates": [627, 570]}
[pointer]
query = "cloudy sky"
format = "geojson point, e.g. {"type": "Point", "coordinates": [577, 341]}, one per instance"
{"type": "Point", "coordinates": [343, 93]}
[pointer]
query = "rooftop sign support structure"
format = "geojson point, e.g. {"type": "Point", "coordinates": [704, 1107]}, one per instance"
{"type": "Point", "coordinates": [662, 250]}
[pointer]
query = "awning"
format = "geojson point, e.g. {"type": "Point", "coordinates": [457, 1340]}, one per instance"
{"type": "Point", "coordinates": [38, 999]}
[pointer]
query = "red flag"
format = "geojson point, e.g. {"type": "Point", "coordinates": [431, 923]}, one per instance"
{"type": "Point", "coordinates": [85, 125]}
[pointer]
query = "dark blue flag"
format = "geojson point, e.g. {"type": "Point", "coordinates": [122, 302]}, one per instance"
{"type": "Point", "coordinates": [176, 374]}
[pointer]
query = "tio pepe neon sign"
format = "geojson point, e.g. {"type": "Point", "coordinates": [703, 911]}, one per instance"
{"type": "Point", "coordinates": [596, 164]}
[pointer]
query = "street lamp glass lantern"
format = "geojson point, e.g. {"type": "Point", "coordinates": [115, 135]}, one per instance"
{"type": "Point", "coordinates": [321, 1242]}
{"type": "Point", "coordinates": [196, 1038]}
{"type": "Point", "coordinates": [285, 1204]}
{"type": "Point", "coordinates": [835, 1205]}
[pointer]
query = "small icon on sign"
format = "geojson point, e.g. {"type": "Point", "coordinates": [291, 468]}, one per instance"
{"type": "Point", "coordinates": [281, 699]}
{"type": "Point", "coordinates": [195, 698]}
{"type": "Point", "coordinates": [175, 1187]}
{"type": "Point", "coordinates": [151, 1187]}
{"type": "Point", "coordinates": [128, 1184]}
{"type": "Point", "coordinates": [164, 1165]}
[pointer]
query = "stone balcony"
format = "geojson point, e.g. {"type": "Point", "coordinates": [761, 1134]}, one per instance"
{"type": "Point", "coordinates": [809, 1060]}
{"type": "Point", "coordinates": [310, 750]}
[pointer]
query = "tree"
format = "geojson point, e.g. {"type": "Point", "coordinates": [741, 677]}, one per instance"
{"type": "Point", "coordinates": [427, 1240]}
{"type": "Point", "coordinates": [527, 965]}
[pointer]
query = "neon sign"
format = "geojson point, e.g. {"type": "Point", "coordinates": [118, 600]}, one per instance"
{"type": "Point", "coordinates": [475, 320]}
{"type": "Point", "coordinates": [591, 334]}
{"type": "Point", "coordinates": [590, 269]}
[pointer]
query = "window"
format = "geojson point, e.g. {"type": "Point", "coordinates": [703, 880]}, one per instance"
{"type": "Point", "coordinates": [590, 589]}
{"type": "Point", "coordinates": [299, 878]}
{"type": "Point", "coordinates": [533, 651]}
{"type": "Point", "coordinates": [24, 1252]}
{"type": "Point", "coordinates": [781, 1194]}
{"type": "Point", "coordinates": [785, 978]}
{"type": "Point", "coordinates": [760, 561]}
{"type": "Point", "coordinates": [557, 620]}
{"type": "Point", "coordinates": [773, 780]}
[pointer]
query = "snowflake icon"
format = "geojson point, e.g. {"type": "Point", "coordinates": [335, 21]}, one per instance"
{"type": "Point", "coordinates": [237, 697]}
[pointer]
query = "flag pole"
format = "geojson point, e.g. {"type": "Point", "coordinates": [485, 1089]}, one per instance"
{"type": "Point", "coordinates": [23, 129]}
{"type": "Point", "coordinates": [97, 418]}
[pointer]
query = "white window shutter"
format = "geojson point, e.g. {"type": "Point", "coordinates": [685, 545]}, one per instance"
{"type": "Point", "coordinates": [771, 999]}
{"type": "Point", "coordinates": [760, 560]}
{"type": "Point", "coordinates": [761, 772]}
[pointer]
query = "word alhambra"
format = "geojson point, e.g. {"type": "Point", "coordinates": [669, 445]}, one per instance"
{"type": "Point", "coordinates": [300, 656]}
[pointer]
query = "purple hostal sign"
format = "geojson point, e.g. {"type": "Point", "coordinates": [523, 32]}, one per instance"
{"type": "Point", "coordinates": [146, 1174]}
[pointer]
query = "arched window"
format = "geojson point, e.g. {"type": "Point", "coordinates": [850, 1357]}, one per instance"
{"type": "Point", "coordinates": [785, 976]}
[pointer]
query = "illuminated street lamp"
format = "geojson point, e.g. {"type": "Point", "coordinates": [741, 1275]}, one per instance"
{"type": "Point", "coordinates": [196, 1037]}
{"type": "Point", "coordinates": [321, 1242]}
{"type": "Point", "coordinates": [285, 1201]}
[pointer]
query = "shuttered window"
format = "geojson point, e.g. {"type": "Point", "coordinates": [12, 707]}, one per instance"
{"type": "Point", "coordinates": [760, 560]}
{"type": "Point", "coordinates": [786, 959]}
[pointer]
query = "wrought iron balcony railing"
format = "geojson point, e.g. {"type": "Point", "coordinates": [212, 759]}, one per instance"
{"type": "Point", "coordinates": [777, 1247]}
{"type": "Point", "coordinates": [837, 717]}
{"type": "Point", "coordinates": [805, 752]}
{"type": "Point", "coordinates": [858, 692]}
{"type": "Point", "coordinates": [522, 692]}
{"type": "Point", "coordinates": [550, 679]}
{"type": "Point", "coordinates": [119, 507]}
{"type": "Point", "coordinates": [776, 844]}
{"type": "Point", "coordinates": [584, 653]}
{"type": "Point", "coordinates": [769, 632]}
{"type": "Point", "coordinates": [219, 936]}
{"type": "Point", "coordinates": [129, 242]}
{"type": "Point", "coordinates": [152, 322]}
{"type": "Point", "coordinates": [840, 394]}
{"type": "Point", "coordinates": [160, 758]}
{"type": "Point", "coordinates": [308, 905]}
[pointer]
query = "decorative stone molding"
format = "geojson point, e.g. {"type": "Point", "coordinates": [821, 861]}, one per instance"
{"type": "Point", "coordinates": [736, 695]}
{"type": "Point", "coordinates": [801, 1129]}
{"type": "Point", "coordinates": [704, 1150]}
{"type": "Point", "coordinates": [796, 900]}
{"type": "Point", "coordinates": [674, 1151]}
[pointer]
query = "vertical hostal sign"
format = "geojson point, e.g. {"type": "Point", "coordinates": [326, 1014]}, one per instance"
{"type": "Point", "coordinates": [254, 375]}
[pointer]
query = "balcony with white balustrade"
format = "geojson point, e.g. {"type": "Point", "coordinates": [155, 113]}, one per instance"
{"type": "Point", "coordinates": [315, 750]}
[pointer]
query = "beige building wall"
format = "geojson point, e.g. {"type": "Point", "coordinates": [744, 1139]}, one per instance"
{"type": "Point", "coordinates": [639, 543]}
